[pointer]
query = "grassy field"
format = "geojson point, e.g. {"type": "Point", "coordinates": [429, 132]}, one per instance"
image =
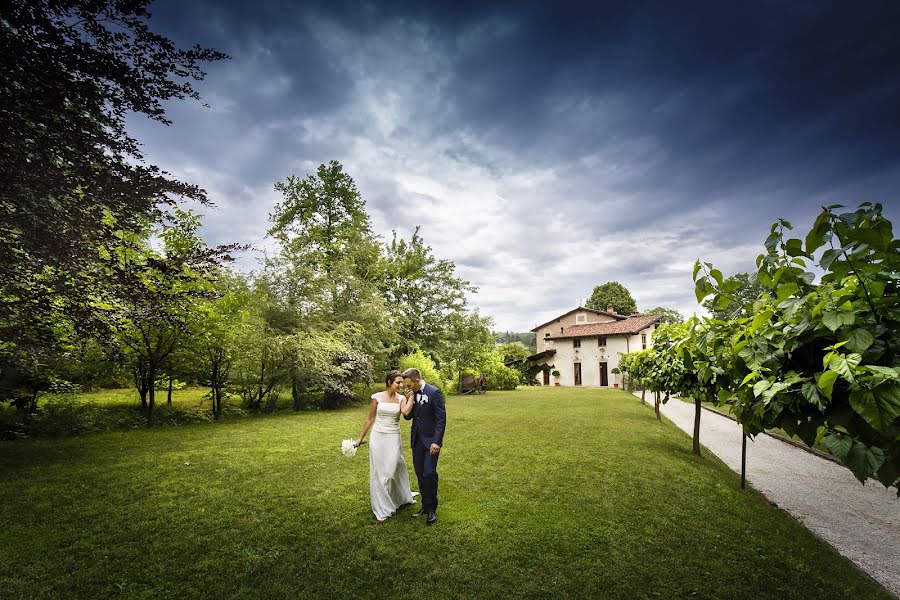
{"type": "Point", "coordinates": [545, 492]}
{"type": "Point", "coordinates": [116, 409]}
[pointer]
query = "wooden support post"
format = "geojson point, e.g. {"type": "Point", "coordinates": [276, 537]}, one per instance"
{"type": "Point", "coordinates": [743, 461]}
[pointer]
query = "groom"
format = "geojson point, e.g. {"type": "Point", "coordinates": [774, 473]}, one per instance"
{"type": "Point", "coordinates": [429, 420]}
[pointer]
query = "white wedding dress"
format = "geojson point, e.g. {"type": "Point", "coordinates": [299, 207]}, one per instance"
{"type": "Point", "coordinates": [388, 476]}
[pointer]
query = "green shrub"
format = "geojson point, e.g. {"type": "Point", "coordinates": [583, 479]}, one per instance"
{"type": "Point", "coordinates": [418, 360]}
{"type": "Point", "coordinates": [162, 384]}
{"type": "Point", "coordinates": [66, 415]}
{"type": "Point", "coordinates": [498, 376]}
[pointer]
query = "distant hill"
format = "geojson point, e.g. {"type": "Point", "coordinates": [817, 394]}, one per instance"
{"type": "Point", "coordinates": [527, 338]}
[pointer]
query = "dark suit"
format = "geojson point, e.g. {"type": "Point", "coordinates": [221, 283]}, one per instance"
{"type": "Point", "coordinates": [429, 421]}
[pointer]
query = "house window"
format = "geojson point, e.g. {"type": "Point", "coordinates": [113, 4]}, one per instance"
{"type": "Point", "coordinates": [579, 318]}
{"type": "Point", "coordinates": [601, 341]}
{"type": "Point", "coordinates": [644, 340]}
{"type": "Point", "coordinates": [576, 343]}
{"type": "Point", "coordinates": [561, 329]}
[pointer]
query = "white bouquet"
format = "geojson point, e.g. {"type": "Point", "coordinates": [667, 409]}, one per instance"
{"type": "Point", "coordinates": [348, 447]}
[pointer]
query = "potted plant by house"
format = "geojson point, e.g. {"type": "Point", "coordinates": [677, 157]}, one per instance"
{"type": "Point", "coordinates": [555, 374]}
{"type": "Point", "coordinates": [616, 372]}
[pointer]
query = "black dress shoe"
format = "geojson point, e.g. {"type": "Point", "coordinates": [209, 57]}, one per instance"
{"type": "Point", "coordinates": [432, 519]}
{"type": "Point", "coordinates": [416, 515]}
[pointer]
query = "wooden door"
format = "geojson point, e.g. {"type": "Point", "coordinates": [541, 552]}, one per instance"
{"type": "Point", "coordinates": [604, 378]}
{"type": "Point", "coordinates": [577, 373]}
{"type": "Point", "coordinates": [546, 376]}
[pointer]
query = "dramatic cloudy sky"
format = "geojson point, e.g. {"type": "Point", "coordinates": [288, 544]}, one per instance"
{"type": "Point", "coordinates": [546, 147]}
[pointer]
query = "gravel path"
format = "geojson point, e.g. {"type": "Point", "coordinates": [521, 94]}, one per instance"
{"type": "Point", "coordinates": [862, 522]}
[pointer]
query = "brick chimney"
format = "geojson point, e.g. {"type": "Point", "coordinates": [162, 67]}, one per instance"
{"type": "Point", "coordinates": [609, 308]}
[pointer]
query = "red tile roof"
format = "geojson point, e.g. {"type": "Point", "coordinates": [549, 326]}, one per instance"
{"type": "Point", "coordinates": [590, 310]}
{"type": "Point", "coordinates": [629, 326]}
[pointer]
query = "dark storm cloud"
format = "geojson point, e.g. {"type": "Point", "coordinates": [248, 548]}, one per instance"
{"type": "Point", "coordinates": [730, 92]}
{"type": "Point", "coordinates": [531, 138]}
{"type": "Point", "coordinates": [715, 80]}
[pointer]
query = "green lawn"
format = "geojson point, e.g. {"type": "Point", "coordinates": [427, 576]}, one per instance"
{"type": "Point", "coordinates": [544, 492]}
{"type": "Point", "coordinates": [188, 397]}
{"type": "Point", "coordinates": [115, 409]}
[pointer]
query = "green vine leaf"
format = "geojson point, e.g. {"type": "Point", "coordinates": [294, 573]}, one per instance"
{"type": "Point", "coordinates": [838, 444]}
{"type": "Point", "coordinates": [879, 407]}
{"type": "Point", "coordinates": [828, 257]}
{"type": "Point", "coordinates": [832, 320]}
{"type": "Point", "coordinates": [859, 340]}
{"type": "Point", "coordinates": [811, 393]}
{"type": "Point", "coordinates": [843, 365]}
{"type": "Point", "coordinates": [826, 383]}
{"type": "Point", "coordinates": [886, 372]}
{"type": "Point", "coordinates": [863, 460]}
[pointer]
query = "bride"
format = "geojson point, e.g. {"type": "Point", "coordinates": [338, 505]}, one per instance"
{"type": "Point", "coordinates": [388, 476]}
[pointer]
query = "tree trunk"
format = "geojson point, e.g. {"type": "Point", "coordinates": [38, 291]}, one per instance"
{"type": "Point", "coordinates": [643, 395]}
{"type": "Point", "coordinates": [697, 426]}
{"type": "Point", "coordinates": [151, 400]}
{"type": "Point", "coordinates": [169, 399]}
{"type": "Point", "coordinates": [214, 392]}
{"type": "Point", "coordinates": [296, 396]}
{"type": "Point", "coordinates": [140, 382]}
{"type": "Point", "coordinates": [656, 407]}
{"type": "Point", "coordinates": [257, 403]}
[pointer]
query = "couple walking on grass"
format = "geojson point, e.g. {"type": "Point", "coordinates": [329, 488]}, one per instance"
{"type": "Point", "coordinates": [422, 403]}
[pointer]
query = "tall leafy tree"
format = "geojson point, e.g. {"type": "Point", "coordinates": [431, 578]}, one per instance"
{"type": "Point", "coordinates": [322, 294]}
{"type": "Point", "coordinates": [667, 315]}
{"type": "Point", "coordinates": [71, 177]}
{"type": "Point", "coordinates": [468, 341]}
{"type": "Point", "coordinates": [216, 327]}
{"type": "Point", "coordinates": [513, 351]}
{"type": "Point", "coordinates": [156, 295]}
{"type": "Point", "coordinates": [323, 218]}
{"type": "Point", "coordinates": [422, 290]}
{"type": "Point", "coordinates": [325, 235]}
{"type": "Point", "coordinates": [612, 292]}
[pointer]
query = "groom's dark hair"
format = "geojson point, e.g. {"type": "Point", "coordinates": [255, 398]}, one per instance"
{"type": "Point", "coordinates": [412, 374]}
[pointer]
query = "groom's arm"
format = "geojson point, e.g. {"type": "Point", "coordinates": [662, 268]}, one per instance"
{"type": "Point", "coordinates": [440, 418]}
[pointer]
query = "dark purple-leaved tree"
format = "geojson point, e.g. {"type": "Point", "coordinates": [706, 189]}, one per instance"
{"type": "Point", "coordinates": [72, 179]}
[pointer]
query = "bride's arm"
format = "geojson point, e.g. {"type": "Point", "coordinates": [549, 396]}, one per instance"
{"type": "Point", "coordinates": [406, 404]}
{"type": "Point", "coordinates": [368, 422]}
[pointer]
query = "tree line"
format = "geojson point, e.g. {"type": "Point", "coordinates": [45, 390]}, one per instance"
{"type": "Point", "coordinates": [329, 308]}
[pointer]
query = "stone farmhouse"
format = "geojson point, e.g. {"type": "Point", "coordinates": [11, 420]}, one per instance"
{"type": "Point", "coordinates": [584, 345]}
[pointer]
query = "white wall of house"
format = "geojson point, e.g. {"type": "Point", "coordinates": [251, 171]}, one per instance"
{"type": "Point", "coordinates": [590, 355]}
